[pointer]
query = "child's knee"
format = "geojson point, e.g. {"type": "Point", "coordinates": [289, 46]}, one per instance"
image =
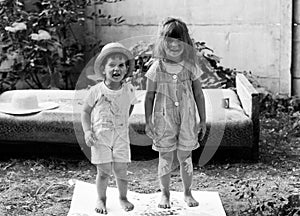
{"type": "Point", "coordinates": [104, 170]}
{"type": "Point", "coordinates": [188, 165]}
{"type": "Point", "coordinates": [101, 175]}
{"type": "Point", "coordinates": [185, 160]}
{"type": "Point", "coordinates": [120, 170]}
{"type": "Point", "coordinates": [165, 163]}
{"type": "Point", "coordinates": [167, 156]}
{"type": "Point", "coordinates": [184, 156]}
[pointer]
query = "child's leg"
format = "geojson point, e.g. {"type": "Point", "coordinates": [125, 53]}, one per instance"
{"type": "Point", "coordinates": [186, 170]}
{"type": "Point", "coordinates": [103, 173]}
{"type": "Point", "coordinates": [120, 171]}
{"type": "Point", "coordinates": [164, 173]}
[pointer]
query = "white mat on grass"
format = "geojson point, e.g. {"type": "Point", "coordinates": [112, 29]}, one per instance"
{"type": "Point", "coordinates": [84, 199]}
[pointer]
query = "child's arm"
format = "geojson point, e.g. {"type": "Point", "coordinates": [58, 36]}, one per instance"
{"type": "Point", "coordinates": [86, 124]}
{"type": "Point", "coordinates": [200, 102]}
{"type": "Point", "coordinates": [86, 117]}
{"type": "Point", "coordinates": [149, 99]}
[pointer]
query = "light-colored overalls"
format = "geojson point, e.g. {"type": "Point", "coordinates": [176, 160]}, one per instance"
{"type": "Point", "coordinates": [174, 112]}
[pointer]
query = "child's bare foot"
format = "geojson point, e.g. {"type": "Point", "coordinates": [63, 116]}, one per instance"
{"type": "Point", "coordinates": [165, 201]}
{"type": "Point", "coordinates": [191, 202]}
{"type": "Point", "coordinates": [101, 206]}
{"type": "Point", "coordinates": [126, 205]}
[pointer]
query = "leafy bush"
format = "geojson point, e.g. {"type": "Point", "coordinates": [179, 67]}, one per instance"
{"type": "Point", "coordinates": [42, 41]}
{"type": "Point", "coordinates": [276, 205]}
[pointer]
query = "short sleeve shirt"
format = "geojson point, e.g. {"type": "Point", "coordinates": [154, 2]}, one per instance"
{"type": "Point", "coordinates": [110, 107]}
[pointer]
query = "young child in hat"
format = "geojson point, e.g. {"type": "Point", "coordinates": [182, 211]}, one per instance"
{"type": "Point", "coordinates": [105, 114]}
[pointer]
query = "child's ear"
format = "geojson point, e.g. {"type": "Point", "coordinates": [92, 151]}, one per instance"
{"type": "Point", "coordinates": [102, 69]}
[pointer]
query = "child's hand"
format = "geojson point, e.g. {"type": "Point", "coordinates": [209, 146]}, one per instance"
{"type": "Point", "coordinates": [90, 138]}
{"type": "Point", "coordinates": [202, 129]}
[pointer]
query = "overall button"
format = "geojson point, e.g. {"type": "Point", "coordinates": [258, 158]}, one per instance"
{"type": "Point", "coordinates": [176, 103]}
{"type": "Point", "coordinates": [174, 77]}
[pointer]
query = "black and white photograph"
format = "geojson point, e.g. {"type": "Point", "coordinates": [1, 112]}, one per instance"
{"type": "Point", "coordinates": [138, 107]}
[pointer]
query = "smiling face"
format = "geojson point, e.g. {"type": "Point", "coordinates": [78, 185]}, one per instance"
{"type": "Point", "coordinates": [115, 69]}
{"type": "Point", "coordinates": [174, 49]}
{"type": "Point", "coordinates": [174, 42]}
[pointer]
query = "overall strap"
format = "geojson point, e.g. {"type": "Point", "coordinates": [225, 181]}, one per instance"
{"type": "Point", "coordinates": [185, 67]}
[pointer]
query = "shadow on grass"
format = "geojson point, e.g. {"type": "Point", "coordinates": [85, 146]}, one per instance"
{"type": "Point", "coordinates": [31, 150]}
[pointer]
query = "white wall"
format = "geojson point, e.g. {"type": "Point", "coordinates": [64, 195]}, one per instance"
{"type": "Point", "coordinates": [250, 35]}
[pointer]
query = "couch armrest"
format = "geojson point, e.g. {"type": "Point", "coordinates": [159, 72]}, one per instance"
{"type": "Point", "coordinates": [250, 100]}
{"type": "Point", "coordinates": [248, 96]}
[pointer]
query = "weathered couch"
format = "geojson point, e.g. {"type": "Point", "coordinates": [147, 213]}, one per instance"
{"type": "Point", "coordinates": [236, 127]}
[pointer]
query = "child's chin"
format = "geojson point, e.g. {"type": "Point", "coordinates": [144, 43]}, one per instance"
{"type": "Point", "coordinates": [117, 78]}
{"type": "Point", "coordinates": [174, 54]}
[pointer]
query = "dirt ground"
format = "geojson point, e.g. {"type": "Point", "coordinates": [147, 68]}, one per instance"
{"type": "Point", "coordinates": [270, 186]}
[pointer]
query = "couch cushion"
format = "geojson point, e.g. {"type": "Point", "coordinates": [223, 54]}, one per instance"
{"type": "Point", "coordinates": [230, 127]}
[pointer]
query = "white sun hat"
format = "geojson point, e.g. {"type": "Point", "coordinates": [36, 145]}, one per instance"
{"type": "Point", "coordinates": [24, 103]}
